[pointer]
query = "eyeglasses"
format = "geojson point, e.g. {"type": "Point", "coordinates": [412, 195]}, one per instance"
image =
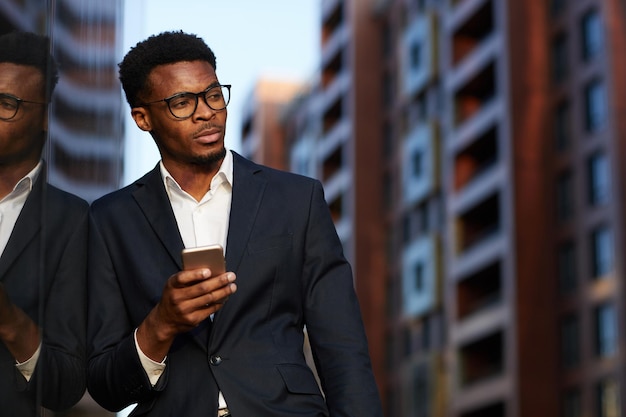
{"type": "Point", "coordinates": [184, 105]}
{"type": "Point", "coordinates": [9, 105]}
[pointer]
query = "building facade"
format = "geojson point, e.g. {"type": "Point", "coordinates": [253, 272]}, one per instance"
{"type": "Point", "coordinates": [471, 155]}
{"type": "Point", "coordinates": [262, 119]}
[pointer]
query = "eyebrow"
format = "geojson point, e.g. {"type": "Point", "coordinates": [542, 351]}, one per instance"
{"type": "Point", "coordinates": [212, 85]}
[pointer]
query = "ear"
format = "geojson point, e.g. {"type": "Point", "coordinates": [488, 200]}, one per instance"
{"type": "Point", "coordinates": [141, 118]}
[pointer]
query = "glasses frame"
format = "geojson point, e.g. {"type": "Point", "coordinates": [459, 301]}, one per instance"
{"type": "Point", "coordinates": [202, 94]}
{"type": "Point", "coordinates": [18, 102]}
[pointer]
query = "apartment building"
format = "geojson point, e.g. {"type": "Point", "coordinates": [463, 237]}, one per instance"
{"type": "Point", "coordinates": [471, 155]}
{"type": "Point", "coordinates": [262, 117]}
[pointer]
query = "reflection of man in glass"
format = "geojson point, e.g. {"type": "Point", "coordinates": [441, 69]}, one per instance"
{"type": "Point", "coordinates": [43, 233]}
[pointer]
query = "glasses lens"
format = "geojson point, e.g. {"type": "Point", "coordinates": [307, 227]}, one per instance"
{"type": "Point", "coordinates": [183, 105]}
{"type": "Point", "coordinates": [8, 107]}
{"type": "Point", "coordinates": [218, 97]}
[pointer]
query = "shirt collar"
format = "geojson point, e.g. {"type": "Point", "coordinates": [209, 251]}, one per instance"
{"type": "Point", "coordinates": [225, 173]}
{"type": "Point", "coordinates": [24, 185]}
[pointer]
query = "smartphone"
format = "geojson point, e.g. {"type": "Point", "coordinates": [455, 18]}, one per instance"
{"type": "Point", "coordinates": [211, 257]}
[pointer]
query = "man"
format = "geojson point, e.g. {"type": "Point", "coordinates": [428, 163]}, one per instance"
{"type": "Point", "coordinates": [43, 239]}
{"type": "Point", "coordinates": [187, 343]}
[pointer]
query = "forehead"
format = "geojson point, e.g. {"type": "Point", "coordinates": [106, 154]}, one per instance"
{"type": "Point", "coordinates": [190, 76]}
{"type": "Point", "coordinates": [20, 80]}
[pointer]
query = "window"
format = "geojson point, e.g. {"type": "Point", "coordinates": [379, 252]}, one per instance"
{"type": "Point", "coordinates": [567, 267]}
{"type": "Point", "coordinates": [564, 196]}
{"type": "Point", "coordinates": [419, 108]}
{"type": "Point", "coordinates": [407, 342]}
{"type": "Point", "coordinates": [422, 218]}
{"type": "Point", "coordinates": [592, 36]}
{"type": "Point", "coordinates": [605, 330]}
{"type": "Point", "coordinates": [387, 41]}
{"type": "Point", "coordinates": [482, 359]}
{"type": "Point", "coordinates": [406, 229]}
{"type": "Point", "coordinates": [417, 163]}
{"type": "Point", "coordinates": [415, 222]}
{"type": "Point", "coordinates": [419, 277]}
{"type": "Point", "coordinates": [388, 90]}
{"type": "Point", "coordinates": [601, 251]}
{"type": "Point", "coordinates": [595, 106]}
{"type": "Point", "coordinates": [415, 56]}
{"type": "Point", "coordinates": [426, 333]}
{"type": "Point", "coordinates": [562, 131]}
{"type": "Point", "coordinates": [570, 342]}
{"type": "Point", "coordinates": [607, 397]}
{"type": "Point", "coordinates": [491, 410]}
{"type": "Point", "coordinates": [420, 395]}
{"type": "Point", "coordinates": [599, 179]}
{"type": "Point", "coordinates": [479, 223]}
{"type": "Point", "coordinates": [479, 291]}
{"type": "Point", "coordinates": [559, 58]}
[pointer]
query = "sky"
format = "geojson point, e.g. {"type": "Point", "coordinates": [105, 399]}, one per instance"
{"type": "Point", "coordinates": [250, 38]}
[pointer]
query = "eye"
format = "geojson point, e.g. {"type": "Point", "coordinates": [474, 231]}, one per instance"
{"type": "Point", "coordinates": [214, 96]}
{"type": "Point", "coordinates": [182, 101]}
{"type": "Point", "coordinates": [8, 103]}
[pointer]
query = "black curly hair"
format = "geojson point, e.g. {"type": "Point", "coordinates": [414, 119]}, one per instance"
{"type": "Point", "coordinates": [33, 50]}
{"type": "Point", "coordinates": [161, 49]}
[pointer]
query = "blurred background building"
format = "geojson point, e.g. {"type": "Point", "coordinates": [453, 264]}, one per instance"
{"type": "Point", "coordinates": [470, 152]}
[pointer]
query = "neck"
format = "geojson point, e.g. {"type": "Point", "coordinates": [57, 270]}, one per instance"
{"type": "Point", "coordinates": [194, 175]}
{"type": "Point", "coordinates": [194, 179]}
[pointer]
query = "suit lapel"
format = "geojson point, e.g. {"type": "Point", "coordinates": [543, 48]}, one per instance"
{"type": "Point", "coordinates": [27, 225]}
{"type": "Point", "coordinates": [248, 189]}
{"type": "Point", "coordinates": [152, 198]}
{"type": "Point", "coordinates": [155, 204]}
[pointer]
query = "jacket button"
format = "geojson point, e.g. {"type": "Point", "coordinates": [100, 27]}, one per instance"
{"type": "Point", "coordinates": [215, 360]}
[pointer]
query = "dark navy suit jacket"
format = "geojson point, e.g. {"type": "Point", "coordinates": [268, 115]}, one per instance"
{"type": "Point", "coordinates": [291, 273]}
{"type": "Point", "coordinates": [43, 270]}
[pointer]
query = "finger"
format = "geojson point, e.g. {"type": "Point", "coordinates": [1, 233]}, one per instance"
{"type": "Point", "coordinates": [208, 285]}
{"type": "Point", "coordinates": [191, 277]}
{"type": "Point", "coordinates": [217, 297]}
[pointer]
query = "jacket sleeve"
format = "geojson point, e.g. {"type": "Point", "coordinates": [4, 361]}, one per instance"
{"type": "Point", "coordinates": [116, 378]}
{"type": "Point", "coordinates": [61, 364]}
{"type": "Point", "coordinates": [333, 319]}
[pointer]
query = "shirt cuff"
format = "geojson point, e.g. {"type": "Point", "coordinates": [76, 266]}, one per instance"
{"type": "Point", "coordinates": [153, 369]}
{"type": "Point", "coordinates": [27, 367]}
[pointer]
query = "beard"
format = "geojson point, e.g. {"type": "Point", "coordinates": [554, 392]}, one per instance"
{"type": "Point", "coordinates": [210, 159]}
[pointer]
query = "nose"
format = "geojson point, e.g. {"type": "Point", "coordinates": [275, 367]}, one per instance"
{"type": "Point", "coordinates": [203, 111]}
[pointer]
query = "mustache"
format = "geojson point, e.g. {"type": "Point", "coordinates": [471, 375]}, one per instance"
{"type": "Point", "coordinates": [208, 126]}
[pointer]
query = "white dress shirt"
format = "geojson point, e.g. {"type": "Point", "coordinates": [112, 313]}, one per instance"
{"type": "Point", "coordinates": [200, 223]}
{"type": "Point", "coordinates": [11, 205]}
{"type": "Point", "coordinates": [10, 208]}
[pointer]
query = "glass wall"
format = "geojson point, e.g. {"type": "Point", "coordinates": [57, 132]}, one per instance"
{"type": "Point", "coordinates": [82, 148]}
